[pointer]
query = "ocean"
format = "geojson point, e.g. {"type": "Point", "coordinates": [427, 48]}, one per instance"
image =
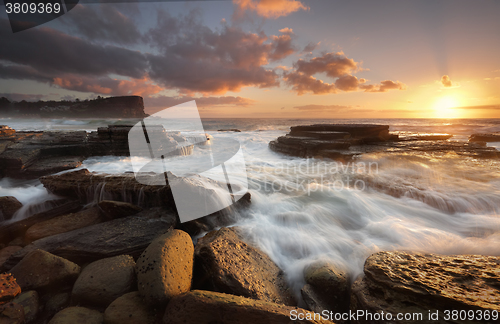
{"type": "Point", "coordinates": [309, 209]}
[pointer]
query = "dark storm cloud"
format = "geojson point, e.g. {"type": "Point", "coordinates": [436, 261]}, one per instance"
{"type": "Point", "coordinates": [21, 72]}
{"type": "Point", "coordinates": [195, 58]}
{"type": "Point", "coordinates": [102, 23]}
{"type": "Point", "coordinates": [52, 52]}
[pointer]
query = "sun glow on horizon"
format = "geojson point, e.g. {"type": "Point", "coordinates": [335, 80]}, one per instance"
{"type": "Point", "coordinates": [445, 107]}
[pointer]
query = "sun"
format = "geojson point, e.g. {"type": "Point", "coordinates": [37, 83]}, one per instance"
{"type": "Point", "coordinates": [445, 107]}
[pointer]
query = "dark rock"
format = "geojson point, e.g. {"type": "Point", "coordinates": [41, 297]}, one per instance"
{"type": "Point", "coordinates": [402, 282]}
{"type": "Point", "coordinates": [206, 307]}
{"type": "Point", "coordinates": [364, 131]}
{"type": "Point", "coordinates": [89, 187]}
{"type": "Point", "coordinates": [493, 137]}
{"type": "Point", "coordinates": [165, 268]}
{"type": "Point", "coordinates": [63, 224]}
{"type": "Point", "coordinates": [130, 309]}
{"type": "Point", "coordinates": [33, 154]}
{"type": "Point", "coordinates": [433, 137]}
{"type": "Point", "coordinates": [77, 315]}
{"type": "Point", "coordinates": [56, 303]}
{"type": "Point", "coordinates": [225, 263]}
{"type": "Point", "coordinates": [230, 130]}
{"type": "Point", "coordinates": [40, 270]}
{"type": "Point", "coordinates": [118, 209]}
{"type": "Point", "coordinates": [30, 302]}
{"type": "Point", "coordinates": [11, 313]}
{"type": "Point", "coordinates": [104, 280]}
{"type": "Point", "coordinates": [6, 131]}
{"type": "Point", "coordinates": [16, 229]}
{"type": "Point", "coordinates": [6, 252]}
{"type": "Point", "coordinates": [129, 235]}
{"type": "Point", "coordinates": [18, 241]}
{"type": "Point", "coordinates": [306, 146]}
{"type": "Point", "coordinates": [8, 207]}
{"type": "Point", "coordinates": [328, 287]}
{"type": "Point", "coordinates": [10, 288]}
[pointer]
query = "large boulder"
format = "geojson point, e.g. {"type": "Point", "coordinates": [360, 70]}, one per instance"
{"type": "Point", "coordinates": [104, 280]}
{"type": "Point", "coordinates": [30, 302]}
{"type": "Point", "coordinates": [225, 263]}
{"type": "Point", "coordinates": [403, 282]}
{"type": "Point", "coordinates": [77, 315]}
{"type": "Point", "coordinates": [10, 288]}
{"type": "Point", "coordinates": [327, 288]}
{"type": "Point", "coordinates": [492, 137]}
{"type": "Point", "coordinates": [129, 235]}
{"type": "Point", "coordinates": [63, 224]}
{"type": "Point", "coordinates": [206, 307]}
{"type": "Point", "coordinates": [8, 207]}
{"type": "Point", "coordinates": [130, 309]}
{"type": "Point", "coordinates": [165, 268]}
{"type": "Point", "coordinates": [89, 187]}
{"type": "Point", "coordinates": [42, 270]}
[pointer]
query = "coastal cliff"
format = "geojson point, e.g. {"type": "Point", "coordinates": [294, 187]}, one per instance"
{"type": "Point", "coordinates": [112, 107]}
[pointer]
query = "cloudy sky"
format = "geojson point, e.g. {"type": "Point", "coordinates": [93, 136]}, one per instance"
{"type": "Point", "coordinates": [267, 58]}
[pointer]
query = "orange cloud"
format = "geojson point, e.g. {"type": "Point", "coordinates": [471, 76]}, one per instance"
{"type": "Point", "coordinates": [384, 86]}
{"type": "Point", "coordinates": [445, 80]}
{"type": "Point", "coordinates": [270, 8]}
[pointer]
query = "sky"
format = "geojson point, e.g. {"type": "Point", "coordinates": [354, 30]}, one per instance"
{"type": "Point", "coordinates": [267, 58]}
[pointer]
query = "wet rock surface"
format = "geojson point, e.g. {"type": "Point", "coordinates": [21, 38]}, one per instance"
{"type": "Point", "coordinates": [12, 313]}
{"type": "Point", "coordinates": [204, 307]}
{"type": "Point", "coordinates": [89, 187]}
{"type": "Point", "coordinates": [165, 268]}
{"type": "Point", "coordinates": [491, 137]}
{"type": "Point", "coordinates": [130, 309]}
{"type": "Point", "coordinates": [343, 142]}
{"type": "Point", "coordinates": [40, 270]}
{"type": "Point", "coordinates": [63, 224]}
{"type": "Point", "coordinates": [327, 288]}
{"type": "Point", "coordinates": [30, 302]}
{"type": "Point", "coordinates": [118, 209]}
{"type": "Point", "coordinates": [17, 229]}
{"type": "Point", "coordinates": [8, 207]}
{"type": "Point", "coordinates": [225, 263]}
{"type": "Point", "coordinates": [398, 282]}
{"type": "Point", "coordinates": [104, 280]}
{"type": "Point", "coordinates": [129, 235]}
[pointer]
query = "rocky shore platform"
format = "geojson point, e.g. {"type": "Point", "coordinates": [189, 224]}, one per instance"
{"type": "Point", "coordinates": [345, 141]}
{"type": "Point", "coordinates": [30, 155]}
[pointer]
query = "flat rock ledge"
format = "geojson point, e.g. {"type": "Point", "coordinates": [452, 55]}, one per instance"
{"type": "Point", "coordinates": [344, 141]}
{"type": "Point", "coordinates": [402, 282]}
{"type": "Point", "coordinates": [34, 154]}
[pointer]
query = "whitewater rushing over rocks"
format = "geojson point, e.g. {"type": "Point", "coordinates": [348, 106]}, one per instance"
{"type": "Point", "coordinates": [311, 209]}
